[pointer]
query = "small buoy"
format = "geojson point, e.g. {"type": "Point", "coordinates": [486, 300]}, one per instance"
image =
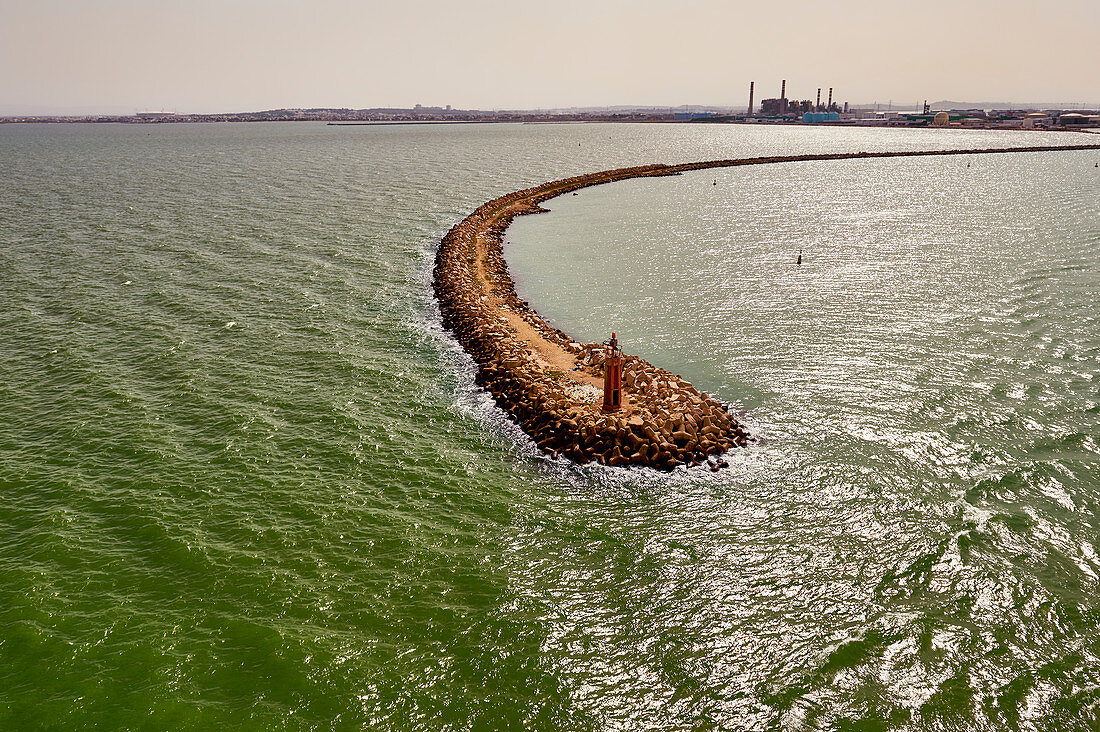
{"type": "Point", "coordinates": [968, 165]}
{"type": "Point", "coordinates": [715, 181]}
{"type": "Point", "coordinates": [799, 257]}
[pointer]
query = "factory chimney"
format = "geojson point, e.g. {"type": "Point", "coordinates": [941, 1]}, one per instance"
{"type": "Point", "coordinates": [818, 107]}
{"type": "Point", "coordinates": [752, 84]}
{"type": "Point", "coordinates": [830, 97]}
{"type": "Point", "coordinates": [783, 97]}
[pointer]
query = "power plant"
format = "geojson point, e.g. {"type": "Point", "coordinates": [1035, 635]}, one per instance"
{"type": "Point", "coordinates": [785, 110]}
{"type": "Point", "coordinates": [782, 106]}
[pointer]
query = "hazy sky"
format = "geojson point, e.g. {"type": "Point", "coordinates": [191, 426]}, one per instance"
{"type": "Point", "coordinates": [122, 56]}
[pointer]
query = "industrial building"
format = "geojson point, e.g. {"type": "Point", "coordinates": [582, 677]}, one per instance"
{"type": "Point", "coordinates": [783, 109]}
{"type": "Point", "coordinates": [782, 106]}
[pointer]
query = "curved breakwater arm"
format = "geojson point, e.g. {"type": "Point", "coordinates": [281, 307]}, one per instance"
{"type": "Point", "coordinates": [550, 384]}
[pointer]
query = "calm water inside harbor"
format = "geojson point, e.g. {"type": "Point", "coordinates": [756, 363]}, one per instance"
{"type": "Point", "coordinates": [247, 480]}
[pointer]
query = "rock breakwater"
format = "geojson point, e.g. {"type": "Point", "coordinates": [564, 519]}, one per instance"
{"type": "Point", "coordinates": [550, 384]}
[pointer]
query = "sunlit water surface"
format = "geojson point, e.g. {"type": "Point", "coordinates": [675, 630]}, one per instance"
{"type": "Point", "coordinates": [247, 479]}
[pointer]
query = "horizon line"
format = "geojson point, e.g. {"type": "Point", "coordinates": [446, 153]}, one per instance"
{"type": "Point", "coordinates": [880, 106]}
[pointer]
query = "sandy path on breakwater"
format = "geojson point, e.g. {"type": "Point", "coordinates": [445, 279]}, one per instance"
{"type": "Point", "coordinates": [550, 354]}
{"type": "Point", "coordinates": [552, 385]}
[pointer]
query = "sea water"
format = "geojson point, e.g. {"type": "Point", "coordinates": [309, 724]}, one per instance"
{"type": "Point", "coordinates": [247, 479]}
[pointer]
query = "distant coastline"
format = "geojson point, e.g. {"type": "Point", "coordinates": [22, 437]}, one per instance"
{"type": "Point", "coordinates": [956, 117]}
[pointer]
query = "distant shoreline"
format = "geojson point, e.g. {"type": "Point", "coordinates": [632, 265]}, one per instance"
{"type": "Point", "coordinates": [396, 123]}
{"type": "Point", "coordinates": [750, 122]}
{"type": "Point", "coordinates": [1015, 120]}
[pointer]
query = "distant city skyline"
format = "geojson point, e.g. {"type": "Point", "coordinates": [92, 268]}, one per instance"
{"type": "Point", "coordinates": [125, 56]}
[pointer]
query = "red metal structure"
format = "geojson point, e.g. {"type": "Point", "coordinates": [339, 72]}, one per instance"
{"type": "Point", "coordinates": [613, 377]}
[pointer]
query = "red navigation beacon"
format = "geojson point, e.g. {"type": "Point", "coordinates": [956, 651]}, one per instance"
{"type": "Point", "coordinates": [613, 377]}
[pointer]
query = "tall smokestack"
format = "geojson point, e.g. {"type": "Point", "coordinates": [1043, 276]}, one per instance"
{"type": "Point", "coordinates": [783, 96]}
{"type": "Point", "coordinates": [818, 107]}
{"type": "Point", "coordinates": [830, 97]}
{"type": "Point", "coordinates": [752, 84]}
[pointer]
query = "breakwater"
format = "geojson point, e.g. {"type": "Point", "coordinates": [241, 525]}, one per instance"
{"type": "Point", "coordinates": [551, 384]}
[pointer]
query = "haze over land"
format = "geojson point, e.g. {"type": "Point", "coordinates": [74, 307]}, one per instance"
{"type": "Point", "coordinates": [123, 56]}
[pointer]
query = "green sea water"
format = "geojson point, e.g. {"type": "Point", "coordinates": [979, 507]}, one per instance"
{"type": "Point", "coordinates": [246, 480]}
